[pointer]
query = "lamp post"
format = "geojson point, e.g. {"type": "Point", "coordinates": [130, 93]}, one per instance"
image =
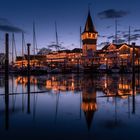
{"type": "Point", "coordinates": [28, 85]}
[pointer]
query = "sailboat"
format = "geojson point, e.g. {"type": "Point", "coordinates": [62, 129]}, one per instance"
{"type": "Point", "coordinates": [12, 67]}
{"type": "Point", "coordinates": [36, 68]}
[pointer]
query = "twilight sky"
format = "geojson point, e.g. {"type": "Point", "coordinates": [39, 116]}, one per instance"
{"type": "Point", "coordinates": [18, 15]}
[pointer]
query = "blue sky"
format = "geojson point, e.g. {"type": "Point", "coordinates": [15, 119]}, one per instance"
{"type": "Point", "coordinates": [69, 15]}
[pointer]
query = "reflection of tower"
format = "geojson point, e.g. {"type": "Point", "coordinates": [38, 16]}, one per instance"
{"type": "Point", "coordinates": [89, 105]}
{"type": "Point", "coordinates": [89, 37]}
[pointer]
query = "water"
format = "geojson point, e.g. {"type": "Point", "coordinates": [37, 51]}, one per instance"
{"type": "Point", "coordinates": [84, 107]}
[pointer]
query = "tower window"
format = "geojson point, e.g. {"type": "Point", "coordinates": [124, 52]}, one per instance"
{"type": "Point", "coordinates": [89, 35]}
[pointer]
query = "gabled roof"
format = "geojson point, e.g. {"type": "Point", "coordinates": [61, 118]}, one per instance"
{"type": "Point", "coordinates": [118, 46]}
{"type": "Point", "coordinates": [89, 27]}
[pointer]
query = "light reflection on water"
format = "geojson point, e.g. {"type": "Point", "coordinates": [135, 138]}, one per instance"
{"type": "Point", "coordinates": [71, 107]}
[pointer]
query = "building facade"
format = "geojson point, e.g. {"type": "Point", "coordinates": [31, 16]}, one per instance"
{"type": "Point", "coordinates": [120, 55]}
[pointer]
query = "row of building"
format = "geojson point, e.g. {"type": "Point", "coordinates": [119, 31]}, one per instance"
{"type": "Point", "coordinates": [87, 56]}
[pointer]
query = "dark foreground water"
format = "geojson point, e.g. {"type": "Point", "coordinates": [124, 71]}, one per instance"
{"type": "Point", "coordinates": [71, 107]}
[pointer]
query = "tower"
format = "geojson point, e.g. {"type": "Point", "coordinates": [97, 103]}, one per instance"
{"type": "Point", "coordinates": [89, 37]}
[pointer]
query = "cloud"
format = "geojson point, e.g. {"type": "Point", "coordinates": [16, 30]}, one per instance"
{"type": "Point", "coordinates": [120, 41]}
{"type": "Point", "coordinates": [4, 21]}
{"type": "Point", "coordinates": [133, 37]}
{"type": "Point", "coordinates": [137, 30]}
{"type": "Point", "coordinates": [109, 26]}
{"type": "Point", "coordinates": [112, 13]}
{"type": "Point", "coordinates": [102, 36]}
{"type": "Point", "coordinates": [6, 25]}
{"type": "Point", "coordinates": [126, 35]}
{"type": "Point", "coordinates": [102, 44]}
{"type": "Point", "coordinates": [8, 28]}
{"type": "Point", "coordinates": [111, 37]}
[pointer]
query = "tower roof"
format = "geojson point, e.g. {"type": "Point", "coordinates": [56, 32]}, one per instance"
{"type": "Point", "coordinates": [89, 27]}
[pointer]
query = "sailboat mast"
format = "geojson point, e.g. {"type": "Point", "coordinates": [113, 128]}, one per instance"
{"type": "Point", "coordinates": [80, 37]}
{"type": "Point", "coordinates": [24, 50]}
{"type": "Point", "coordinates": [116, 29]}
{"type": "Point", "coordinates": [12, 48]}
{"type": "Point", "coordinates": [56, 35]}
{"type": "Point", "coordinates": [22, 44]}
{"type": "Point", "coordinates": [129, 36]}
{"type": "Point", "coordinates": [34, 38]}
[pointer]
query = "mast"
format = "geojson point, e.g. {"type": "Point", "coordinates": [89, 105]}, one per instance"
{"type": "Point", "coordinates": [13, 48]}
{"type": "Point", "coordinates": [80, 37]}
{"type": "Point", "coordinates": [34, 38]}
{"type": "Point", "coordinates": [56, 35]}
{"type": "Point", "coordinates": [129, 39]}
{"type": "Point", "coordinates": [34, 42]}
{"type": "Point", "coordinates": [23, 46]}
{"type": "Point", "coordinates": [116, 29]}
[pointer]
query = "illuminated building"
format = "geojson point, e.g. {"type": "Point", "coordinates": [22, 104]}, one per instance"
{"type": "Point", "coordinates": [67, 58]}
{"type": "Point", "coordinates": [89, 39]}
{"type": "Point", "coordinates": [119, 55]}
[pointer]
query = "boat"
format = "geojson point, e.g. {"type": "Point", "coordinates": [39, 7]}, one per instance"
{"type": "Point", "coordinates": [115, 69]}
{"type": "Point", "coordinates": [102, 68]}
{"type": "Point", "coordinates": [55, 70]}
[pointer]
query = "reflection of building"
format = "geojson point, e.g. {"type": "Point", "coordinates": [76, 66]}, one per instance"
{"type": "Point", "coordinates": [89, 105]}
{"type": "Point", "coordinates": [120, 85]}
{"type": "Point", "coordinates": [55, 82]}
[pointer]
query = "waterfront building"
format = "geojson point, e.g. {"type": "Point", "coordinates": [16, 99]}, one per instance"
{"type": "Point", "coordinates": [89, 40]}
{"type": "Point", "coordinates": [89, 57]}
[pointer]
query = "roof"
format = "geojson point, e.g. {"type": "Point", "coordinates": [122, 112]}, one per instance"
{"type": "Point", "coordinates": [118, 46]}
{"type": "Point", "coordinates": [89, 27]}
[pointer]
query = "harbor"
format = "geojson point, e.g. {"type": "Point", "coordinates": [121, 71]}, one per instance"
{"type": "Point", "coordinates": [112, 58]}
{"type": "Point", "coordinates": [69, 70]}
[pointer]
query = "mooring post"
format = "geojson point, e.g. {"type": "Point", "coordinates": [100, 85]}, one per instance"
{"type": "Point", "coordinates": [6, 80]}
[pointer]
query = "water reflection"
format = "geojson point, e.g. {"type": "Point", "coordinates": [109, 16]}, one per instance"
{"type": "Point", "coordinates": [74, 104]}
